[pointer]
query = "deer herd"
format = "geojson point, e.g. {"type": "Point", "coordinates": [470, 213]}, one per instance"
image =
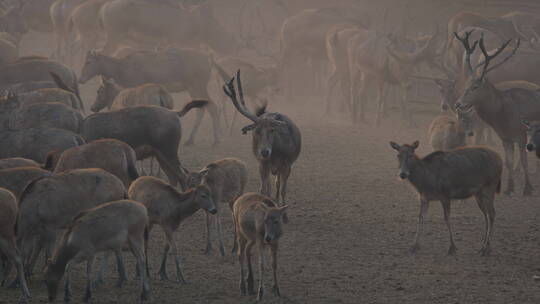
{"type": "Point", "coordinates": [69, 182]}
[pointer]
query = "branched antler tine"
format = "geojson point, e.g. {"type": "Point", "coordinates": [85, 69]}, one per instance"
{"type": "Point", "coordinates": [488, 58]}
{"type": "Point", "coordinates": [240, 90]}
{"type": "Point", "coordinates": [230, 91]}
{"type": "Point", "coordinates": [468, 49]}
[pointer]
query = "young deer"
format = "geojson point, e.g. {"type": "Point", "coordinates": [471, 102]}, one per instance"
{"type": "Point", "coordinates": [227, 179]}
{"type": "Point", "coordinates": [258, 222]}
{"type": "Point", "coordinates": [168, 207]}
{"type": "Point", "coordinates": [107, 227]}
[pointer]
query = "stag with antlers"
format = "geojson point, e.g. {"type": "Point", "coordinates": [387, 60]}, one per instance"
{"type": "Point", "coordinates": [502, 110]}
{"type": "Point", "coordinates": [276, 141]}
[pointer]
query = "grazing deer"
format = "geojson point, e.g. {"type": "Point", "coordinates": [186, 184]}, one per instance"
{"type": "Point", "coordinates": [501, 110]}
{"type": "Point", "coordinates": [227, 179]}
{"type": "Point", "coordinates": [16, 179]}
{"type": "Point", "coordinates": [258, 222]}
{"type": "Point", "coordinates": [8, 247]}
{"type": "Point", "coordinates": [107, 227]}
{"type": "Point", "coordinates": [168, 207]}
{"type": "Point", "coordinates": [276, 142]}
{"type": "Point", "coordinates": [457, 174]}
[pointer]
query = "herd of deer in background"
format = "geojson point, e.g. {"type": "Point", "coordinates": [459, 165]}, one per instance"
{"type": "Point", "coordinates": [69, 183]}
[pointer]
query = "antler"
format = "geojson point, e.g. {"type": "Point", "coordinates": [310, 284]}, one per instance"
{"type": "Point", "coordinates": [230, 91]}
{"type": "Point", "coordinates": [488, 58]}
{"type": "Point", "coordinates": [468, 49]}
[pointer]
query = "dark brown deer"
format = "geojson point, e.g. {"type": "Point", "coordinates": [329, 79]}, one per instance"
{"type": "Point", "coordinates": [276, 142]}
{"type": "Point", "coordinates": [445, 176]}
{"type": "Point", "coordinates": [501, 110]}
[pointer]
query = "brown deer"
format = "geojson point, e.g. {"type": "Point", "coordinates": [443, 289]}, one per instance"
{"type": "Point", "coordinates": [447, 133]}
{"type": "Point", "coordinates": [501, 110]}
{"type": "Point", "coordinates": [16, 179]}
{"type": "Point", "coordinates": [168, 207]}
{"type": "Point", "coordinates": [533, 135]}
{"type": "Point", "coordinates": [258, 223]}
{"type": "Point", "coordinates": [142, 127]}
{"type": "Point", "coordinates": [114, 97]}
{"type": "Point", "coordinates": [276, 142]}
{"type": "Point", "coordinates": [111, 155]}
{"type": "Point", "coordinates": [47, 204]}
{"type": "Point", "coordinates": [107, 227]}
{"type": "Point", "coordinates": [445, 176]}
{"type": "Point", "coordinates": [15, 162]}
{"type": "Point", "coordinates": [8, 247]}
{"type": "Point", "coordinates": [227, 179]}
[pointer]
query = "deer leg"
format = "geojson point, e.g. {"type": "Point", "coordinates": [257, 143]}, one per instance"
{"type": "Point", "coordinates": [332, 82]}
{"type": "Point", "coordinates": [356, 83]}
{"type": "Point", "coordinates": [170, 239]}
{"type": "Point", "coordinates": [273, 251]}
{"type": "Point", "coordinates": [214, 115]}
{"type": "Point", "coordinates": [136, 244]}
{"type": "Point", "coordinates": [487, 202]}
{"type": "Point", "coordinates": [424, 206]}
{"type": "Point", "coordinates": [163, 267]}
{"type": "Point", "coordinates": [345, 83]}
{"type": "Point", "coordinates": [241, 258]}
{"type": "Point", "coordinates": [527, 190]}
{"type": "Point", "coordinates": [235, 237]}
{"type": "Point", "coordinates": [196, 126]}
{"type": "Point", "coordinates": [485, 213]}
{"type": "Point", "coordinates": [220, 234]}
{"type": "Point", "coordinates": [67, 283]}
{"type": "Point", "coordinates": [508, 157]}
{"type": "Point", "coordinates": [264, 171]}
{"type": "Point", "coordinates": [102, 270]}
{"type": "Point", "coordinates": [122, 277]}
{"type": "Point", "coordinates": [261, 271]}
{"type": "Point", "coordinates": [88, 293]}
{"type": "Point", "coordinates": [447, 208]}
{"type": "Point", "coordinates": [284, 176]}
{"type": "Point", "coordinates": [208, 249]}
{"type": "Point", "coordinates": [9, 249]}
{"type": "Point", "coordinates": [250, 277]}
{"type": "Point", "coordinates": [380, 103]}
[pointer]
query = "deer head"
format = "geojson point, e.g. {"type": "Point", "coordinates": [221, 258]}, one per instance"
{"type": "Point", "coordinates": [478, 87]}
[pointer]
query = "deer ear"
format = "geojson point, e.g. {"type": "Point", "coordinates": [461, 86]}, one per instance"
{"type": "Point", "coordinates": [283, 208]}
{"type": "Point", "coordinates": [415, 144]}
{"type": "Point", "coordinates": [394, 146]}
{"type": "Point", "coordinates": [204, 172]}
{"type": "Point", "coordinates": [526, 123]}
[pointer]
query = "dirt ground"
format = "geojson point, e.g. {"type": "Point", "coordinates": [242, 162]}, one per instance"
{"type": "Point", "coordinates": [351, 224]}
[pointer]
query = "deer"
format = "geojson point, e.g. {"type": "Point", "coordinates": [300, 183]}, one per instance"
{"type": "Point", "coordinates": [501, 110]}
{"type": "Point", "coordinates": [46, 115]}
{"type": "Point", "coordinates": [109, 226]}
{"type": "Point", "coordinates": [15, 162]}
{"type": "Point", "coordinates": [47, 204]}
{"type": "Point", "coordinates": [114, 97]}
{"type": "Point", "coordinates": [444, 176]}
{"type": "Point", "coordinates": [227, 179]}
{"type": "Point", "coordinates": [167, 207]}
{"type": "Point", "coordinates": [276, 142]}
{"type": "Point", "coordinates": [533, 135]}
{"type": "Point", "coordinates": [447, 133]}
{"type": "Point", "coordinates": [16, 179]}
{"type": "Point", "coordinates": [111, 155]}
{"type": "Point", "coordinates": [8, 246]}
{"type": "Point", "coordinates": [258, 222]}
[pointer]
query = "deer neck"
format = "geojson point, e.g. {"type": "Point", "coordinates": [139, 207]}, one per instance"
{"type": "Point", "coordinates": [186, 206]}
{"type": "Point", "coordinates": [109, 66]}
{"type": "Point", "coordinates": [488, 109]}
{"type": "Point", "coordinates": [420, 176]}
